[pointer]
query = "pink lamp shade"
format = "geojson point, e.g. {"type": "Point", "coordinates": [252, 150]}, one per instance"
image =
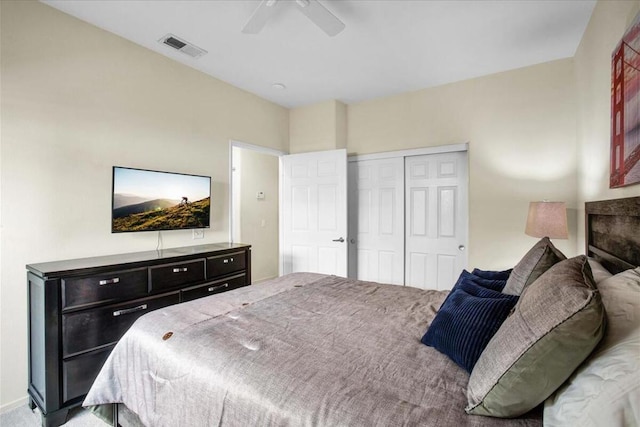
{"type": "Point", "coordinates": [547, 219]}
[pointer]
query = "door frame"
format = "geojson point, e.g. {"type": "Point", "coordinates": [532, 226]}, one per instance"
{"type": "Point", "coordinates": [265, 150]}
{"type": "Point", "coordinates": [411, 152]}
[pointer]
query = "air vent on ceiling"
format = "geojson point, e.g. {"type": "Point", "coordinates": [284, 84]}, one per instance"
{"type": "Point", "coordinates": [182, 46]}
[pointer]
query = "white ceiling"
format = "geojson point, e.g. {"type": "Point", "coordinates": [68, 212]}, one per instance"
{"type": "Point", "coordinates": [388, 47]}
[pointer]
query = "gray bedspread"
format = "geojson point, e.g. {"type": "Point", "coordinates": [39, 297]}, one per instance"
{"type": "Point", "coordinates": [301, 350]}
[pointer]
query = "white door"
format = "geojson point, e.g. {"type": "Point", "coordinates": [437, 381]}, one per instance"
{"type": "Point", "coordinates": [314, 212]}
{"type": "Point", "coordinates": [376, 225]}
{"type": "Point", "coordinates": [436, 219]}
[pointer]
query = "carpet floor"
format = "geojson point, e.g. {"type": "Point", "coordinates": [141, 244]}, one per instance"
{"type": "Point", "coordinates": [25, 417]}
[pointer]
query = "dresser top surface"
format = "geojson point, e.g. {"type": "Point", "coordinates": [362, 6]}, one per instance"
{"type": "Point", "coordinates": [128, 260]}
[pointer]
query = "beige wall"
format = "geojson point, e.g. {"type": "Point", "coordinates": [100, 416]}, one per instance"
{"type": "Point", "coordinates": [318, 127]}
{"type": "Point", "coordinates": [259, 218]}
{"type": "Point", "coordinates": [75, 101]}
{"type": "Point", "coordinates": [608, 23]}
{"type": "Point", "coordinates": [520, 126]}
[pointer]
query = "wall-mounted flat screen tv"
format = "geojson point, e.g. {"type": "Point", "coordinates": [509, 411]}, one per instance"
{"type": "Point", "coordinates": [145, 200]}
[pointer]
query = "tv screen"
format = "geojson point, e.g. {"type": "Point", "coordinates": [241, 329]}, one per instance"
{"type": "Point", "coordinates": [145, 200]}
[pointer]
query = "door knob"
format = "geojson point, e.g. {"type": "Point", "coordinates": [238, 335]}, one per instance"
{"type": "Point", "coordinates": [352, 241]}
{"type": "Point", "coordinates": [461, 248]}
{"type": "Point", "coordinates": [339, 240]}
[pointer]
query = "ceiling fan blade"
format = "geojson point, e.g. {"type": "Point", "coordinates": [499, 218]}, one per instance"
{"type": "Point", "coordinates": [259, 17]}
{"type": "Point", "coordinates": [320, 16]}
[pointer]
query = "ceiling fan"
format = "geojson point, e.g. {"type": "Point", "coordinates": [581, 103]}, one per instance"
{"type": "Point", "coordinates": [312, 9]}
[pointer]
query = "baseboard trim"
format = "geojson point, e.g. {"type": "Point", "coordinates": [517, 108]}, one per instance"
{"type": "Point", "coordinates": [257, 282]}
{"type": "Point", "coordinates": [13, 405]}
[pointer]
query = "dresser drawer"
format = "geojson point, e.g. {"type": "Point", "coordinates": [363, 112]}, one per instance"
{"type": "Point", "coordinates": [115, 286]}
{"type": "Point", "coordinates": [225, 264]}
{"type": "Point", "coordinates": [78, 373]}
{"type": "Point", "coordinates": [214, 287]}
{"type": "Point", "coordinates": [87, 329]}
{"type": "Point", "coordinates": [169, 276]}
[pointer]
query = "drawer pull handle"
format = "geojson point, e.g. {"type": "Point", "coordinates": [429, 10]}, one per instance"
{"type": "Point", "coordinates": [129, 310]}
{"type": "Point", "coordinates": [226, 261]}
{"type": "Point", "coordinates": [180, 270]}
{"type": "Point", "coordinates": [213, 288]}
{"type": "Point", "coordinates": [109, 281]}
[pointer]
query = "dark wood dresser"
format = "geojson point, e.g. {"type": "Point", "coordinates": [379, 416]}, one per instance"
{"type": "Point", "coordinates": [79, 309]}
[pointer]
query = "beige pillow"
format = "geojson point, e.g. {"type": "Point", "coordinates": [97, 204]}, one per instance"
{"type": "Point", "coordinates": [599, 272]}
{"type": "Point", "coordinates": [535, 262]}
{"type": "Point", "coordinates": [557, 322]}
{"type": "Point", "coordinates": [605, 389]}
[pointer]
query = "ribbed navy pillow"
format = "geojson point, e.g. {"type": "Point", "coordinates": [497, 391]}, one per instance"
{"type": "Point", "coordinates": [492, 275]}
{"type": "Point", "coordinates": [467, 320]}
{"type": "Point", "coordinates": [486, 282]}
{"type": "Point", "coordinates": [465, 276]}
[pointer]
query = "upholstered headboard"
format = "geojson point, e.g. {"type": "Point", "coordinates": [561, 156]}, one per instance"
{"type": "Point", "coordinates": [613, 233]}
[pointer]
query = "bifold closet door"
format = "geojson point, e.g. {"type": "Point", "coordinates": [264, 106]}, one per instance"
{"type": "Point", "coordinates": [436, 219]}
{"type": "Point", "coordinates": [376, 212]}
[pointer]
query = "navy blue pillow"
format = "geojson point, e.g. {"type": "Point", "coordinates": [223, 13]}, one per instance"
{"type": "Point", "coordinates": [489, 283]}
{"type": "Point", "coordinates": [465, 276]}
{"type": "Point", "coordinates": [492, 275]}
{"type": "Point", "coordinates": [467, 320]}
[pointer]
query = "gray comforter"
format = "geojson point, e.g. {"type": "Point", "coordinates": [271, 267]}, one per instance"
{"type": "Point", "coordinates": [301, 350]}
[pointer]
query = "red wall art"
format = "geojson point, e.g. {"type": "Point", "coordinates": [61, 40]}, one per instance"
{"type": "Point", "coordinates": [625, 109]}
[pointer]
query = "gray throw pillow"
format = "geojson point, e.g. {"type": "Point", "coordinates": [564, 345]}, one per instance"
{"type": "Point", "coordinates": [555, 325]}
{"type": "Point", "coordinates": [535, 262]}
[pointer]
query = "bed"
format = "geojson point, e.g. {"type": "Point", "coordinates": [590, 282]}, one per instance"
{"type": "Point", "coordinates": [310, 349]}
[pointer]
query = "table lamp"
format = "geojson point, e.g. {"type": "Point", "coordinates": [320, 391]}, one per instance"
{"type": "Point", "coordinates": [547, 219]}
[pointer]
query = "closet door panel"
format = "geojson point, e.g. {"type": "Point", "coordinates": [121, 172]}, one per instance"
{"type": "Point", "coordinates": [436, 218]}
{"type": "Point", "coordinates": [377, 220]}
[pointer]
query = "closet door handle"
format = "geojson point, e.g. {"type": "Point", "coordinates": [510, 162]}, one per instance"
{"type": "Point", "coordinates": [341, 240]}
